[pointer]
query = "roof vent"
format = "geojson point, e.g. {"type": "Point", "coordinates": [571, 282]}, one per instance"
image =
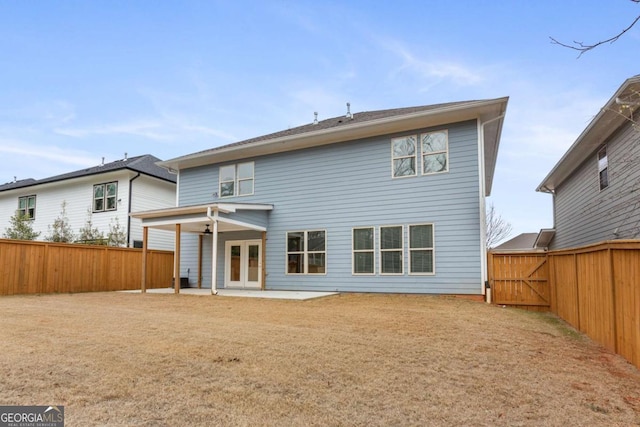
{"type": "Point", "coordinates": [125, 156]}
{"type": "Point", "coordinates": [349, 115]}
{"type": "Point", "coordinates": [315, 119]}
{"type": "Point", "coordinates": [102, 162]}
{"type": "Point", "coordinates": [15, 179]}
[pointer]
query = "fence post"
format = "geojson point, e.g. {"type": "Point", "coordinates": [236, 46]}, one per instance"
{"type": "Point", "coordinates": [613, 298]}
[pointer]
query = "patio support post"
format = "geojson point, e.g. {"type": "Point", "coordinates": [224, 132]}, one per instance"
{"type": "Point", "coordinates": [145, 235]}
{"type": "Point", "coordinates": [214, 258]}
{"type": "Point", "coordinates": [176, 262]}
{"type": "Point", "coordinates": [200, 237]}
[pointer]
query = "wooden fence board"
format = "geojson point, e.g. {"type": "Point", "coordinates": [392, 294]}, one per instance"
{"type": "Point", "coordinates": [42, 267]}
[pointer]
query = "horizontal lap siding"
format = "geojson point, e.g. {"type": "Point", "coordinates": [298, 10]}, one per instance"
{"type": "Point", "coordinates": [584, 214]}
{"type": "Point", "coordinates": [346, 185]}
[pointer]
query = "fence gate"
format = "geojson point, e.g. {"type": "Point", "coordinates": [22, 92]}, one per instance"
{"type": "Point", "coordinates": [520, 280]}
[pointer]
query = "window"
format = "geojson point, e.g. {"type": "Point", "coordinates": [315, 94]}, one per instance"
{"type": "Point", "coordinates": [603, 168]}
{"type": "Point", "coordinates": [236, 180]}
{"type": "Point", "coordinates": [435, 152]}
{"type": "Point", "coordinates": [363, 256]}
{"type": "Point", "coordinates": [306, 252]}
{"type": "Point", "coordinates": [105, 197]}
{"type": "Point", "coordinates": [403, 154]}
{"type": "Point", "coordinates": [391, 250]}
{"type": "Point", "coordinates": [27, 206]}
{"type": "Point", "coordinates": [421, 249]}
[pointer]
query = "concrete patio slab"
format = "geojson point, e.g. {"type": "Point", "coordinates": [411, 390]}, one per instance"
{"type": "Point", "coordinates": [243, 293]}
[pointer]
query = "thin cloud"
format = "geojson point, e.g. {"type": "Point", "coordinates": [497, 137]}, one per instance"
{"type": "Point", "coordinates": [46, 152]}
{"type": "Point", "coordinates": [430, 70]}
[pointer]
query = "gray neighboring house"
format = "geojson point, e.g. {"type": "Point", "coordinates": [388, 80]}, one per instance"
{"type": "Point", "coordinates": [596, 184]}
{"type": "Point", "coordinates": [524, 242]}
{"type": "Point", "coordinates": [378, 201]}
{"type": "Point", "coordinates": [110, 191]}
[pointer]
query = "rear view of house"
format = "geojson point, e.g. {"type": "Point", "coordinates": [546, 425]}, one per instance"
{"type": "Point", "coordinates": [379, 201]}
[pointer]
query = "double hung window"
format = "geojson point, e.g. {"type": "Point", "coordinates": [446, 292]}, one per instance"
{"type": "Point", "coordinates": [391, 250]}
{"type": "Point", "coordinates": [306, 252]}
{"type": "Point", "coordinates": [603, 168]}
{"type": "Point", "coordinates": [236, 180]}
{"type": "Point", "coordinates": [105, 197]}
{"type": "Point", "coordinates": [27, 206]}
{"type": "Point", "coordinates": [421, 249]}
{"type": "Point", "coordinates": [363, 251]}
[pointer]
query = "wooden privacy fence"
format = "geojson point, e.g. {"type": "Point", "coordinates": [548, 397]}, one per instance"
{"type": "Point", "coordinates": [28, 267]}
{"type": "Point", "coordinates": [595, 288]}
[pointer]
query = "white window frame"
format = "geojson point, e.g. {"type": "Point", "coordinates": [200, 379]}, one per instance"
{"type": "Point", "coordinates": [432, 249]}
{"type": "Point", "coordinates": [415, 157]}
{"type": "Point", "coordinates": [305, 252]}
{"type": "Point", "coordinates": [105, 198]}
{"type": "Point", "coordinates": [26, 209]}
{"type": "Point", "coordinates": [237, 180]}
{"type": "Point", "coordinates": [603, 166]}
{"type": "Point", "coordinates": [355, 251]}
{"type": "Point", "coordinates": [381, 250]}
{"type": "Point", "coordinates": [431, 153]}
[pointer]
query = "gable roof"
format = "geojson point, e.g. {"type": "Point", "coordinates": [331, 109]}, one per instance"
{"type": "Point", "coordinates": [603, 125]}
{"type": "Point", "coordinates": [145, 164]}
{"type": "Point", "coordinates": [520, 242]}
{"type": "Point", "coordinates": [361, 125]}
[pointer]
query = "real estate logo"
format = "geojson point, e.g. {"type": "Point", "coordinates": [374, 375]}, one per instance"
{"type": "Point", "coordinates": [31, 416]}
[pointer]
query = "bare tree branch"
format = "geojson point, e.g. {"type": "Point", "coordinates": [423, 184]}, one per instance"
{"type": "Point", "coordinates": [582, 48]}
{"type": "Point", "coordinates": [498, 228]}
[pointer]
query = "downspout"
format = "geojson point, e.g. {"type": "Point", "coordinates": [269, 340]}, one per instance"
{"type": "Point", "coordinates": [483, 206]}
{"type": "Point", "coordinates": [129, 209]}
{"type": "Point", "coordinates": [214, 249]}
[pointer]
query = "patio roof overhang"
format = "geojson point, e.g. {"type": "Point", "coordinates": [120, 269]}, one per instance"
{"type": "Point", "coordinates": [194, 219]}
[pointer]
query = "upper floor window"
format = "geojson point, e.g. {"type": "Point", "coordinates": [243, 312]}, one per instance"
{"type": "Point", "coordinates": [403, 156]}
{"type": "Point", "coordinates": [435, 151]}
{"type": "Point", "coordinates": [27, 206]}
{"type": "Point", "coordinates": [105, 197]}
{"type": "Point", "coordinates": [236, 180]}
{"type": "Point", "coordinates": [306, 252]}
{"type": "Point", "coordinates": [603, 168]}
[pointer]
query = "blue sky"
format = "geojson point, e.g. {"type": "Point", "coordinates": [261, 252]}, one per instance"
{"type": "Point", "coordinates": [82, 80]}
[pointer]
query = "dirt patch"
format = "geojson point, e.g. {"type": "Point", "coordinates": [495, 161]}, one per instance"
{"type": "Point", "coordinates": [156, 360]}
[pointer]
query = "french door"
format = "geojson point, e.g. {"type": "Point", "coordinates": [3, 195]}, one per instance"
{"type": "Point", "coordinates": [243, 264]}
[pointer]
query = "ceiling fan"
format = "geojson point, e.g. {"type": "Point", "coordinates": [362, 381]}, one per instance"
{"type": "Point", "coordinates": [207, 231]}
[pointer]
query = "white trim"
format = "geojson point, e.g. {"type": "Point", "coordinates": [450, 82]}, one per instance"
{"type": "Point", "coordinates": [415, 157]}
{"type": "Point", "coordinates": [380, 250]}
{"type": "Point", "coordinates": [432, 249]}
{"type": "Point", "coordinates": [372, 250]}
{"type": "Point", "coordinates": [422, 154]}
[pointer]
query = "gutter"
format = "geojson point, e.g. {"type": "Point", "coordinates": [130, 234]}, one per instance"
{"type": "Point", "coordinates": [129, 209]}
{"type": "Point", "coordinates": [483, 207]}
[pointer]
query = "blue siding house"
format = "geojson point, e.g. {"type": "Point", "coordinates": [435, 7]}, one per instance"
{"type": "Point", "coordinates": [379, 201]}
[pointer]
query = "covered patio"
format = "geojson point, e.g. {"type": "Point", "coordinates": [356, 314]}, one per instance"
{"type": "Point", "coordinates": [204, 220]}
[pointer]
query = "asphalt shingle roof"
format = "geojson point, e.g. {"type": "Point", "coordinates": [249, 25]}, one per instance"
{"type": "Point", "coordinates": [145, 164]}
{"type": "Point", "coordinates": [335, 122]}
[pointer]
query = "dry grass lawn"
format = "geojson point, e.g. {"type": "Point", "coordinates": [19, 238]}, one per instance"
{"type": "Point", "coordinates": [392, 360]}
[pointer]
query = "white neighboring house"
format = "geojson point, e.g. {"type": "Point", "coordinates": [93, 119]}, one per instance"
{"type": "Point", "coordinates": [109, 191]}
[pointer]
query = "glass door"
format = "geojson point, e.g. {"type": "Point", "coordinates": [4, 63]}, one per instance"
{"type": "Point", "coordinates": [243, 264]}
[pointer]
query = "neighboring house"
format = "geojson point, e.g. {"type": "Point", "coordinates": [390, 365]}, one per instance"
{"type": "Point", "coordinates": [596, 184]}
{"type": "Point", "coordinates": [525, 242]}
{"type": "Point", "coordinates": [379, 201]}
{"type": "Point", "coordinates": [108, 192]}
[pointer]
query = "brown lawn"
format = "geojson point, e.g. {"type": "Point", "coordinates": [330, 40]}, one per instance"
{"type": "Point", "coordinates": [392, 360]}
